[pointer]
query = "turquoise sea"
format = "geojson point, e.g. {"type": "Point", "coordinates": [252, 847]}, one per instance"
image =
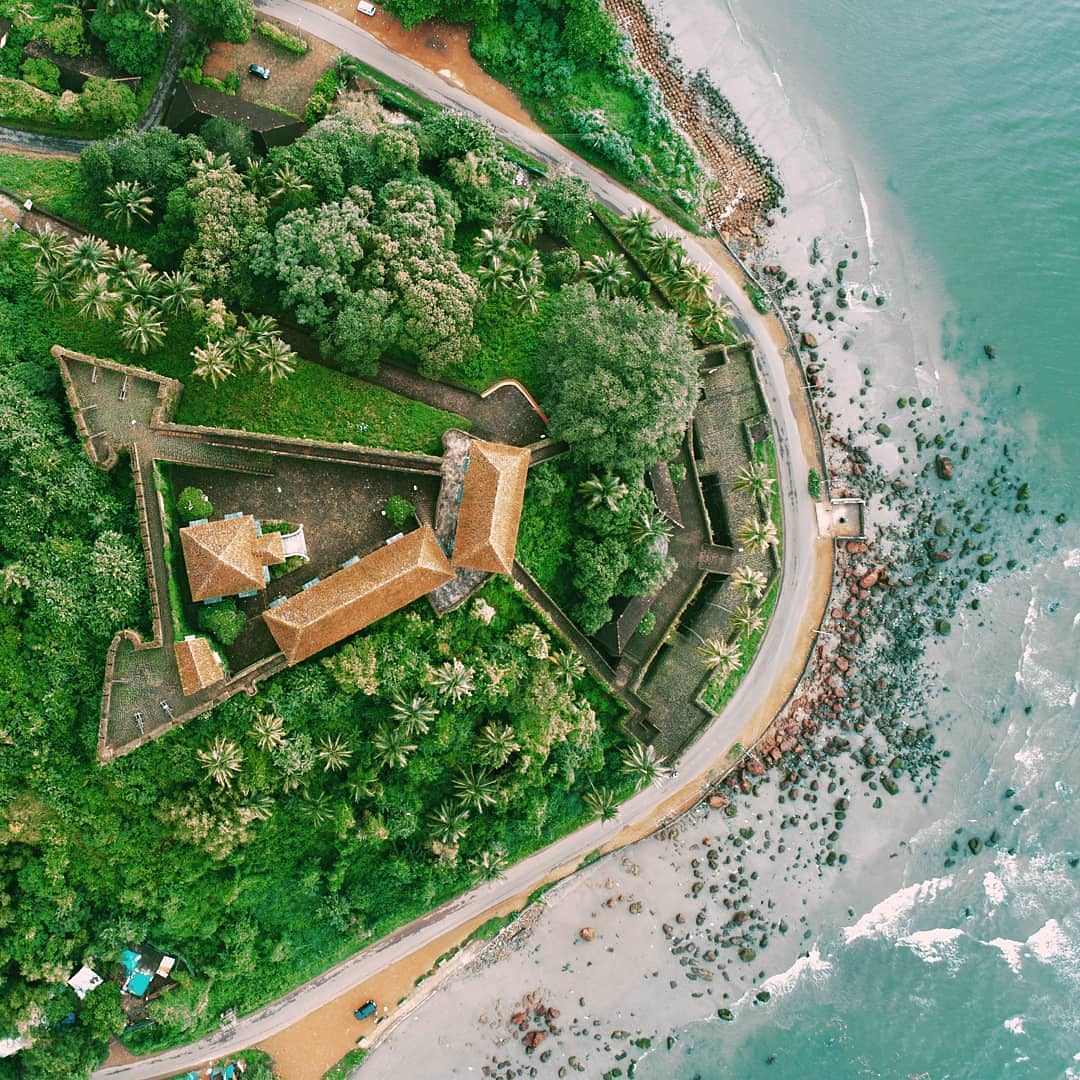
{"type": "Point", "coordinates": [962, 123]}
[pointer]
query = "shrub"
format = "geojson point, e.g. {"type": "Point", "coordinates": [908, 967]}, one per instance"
{"type": "Point", "coordinates": [19, 101]}
{"type": "Point", "coordinates": [322, 97]}
{"type": "Point", "coordinates": [108, 104]}
{"type": "Point", "coordinates": [399, 510]}
{"type": "Point", "coordinates": [192, 504]}
{"type": "Point", "coordinates": [224, 137]}
{"type": "Point", "coordinates": [65, 35]}
{"type": "Point", "coordinates": [561, 267]}
{"type": "Point", "coordinates": [131, 42]}
{"type": "Point", "coordinates": [647, 624]}
{"type": "Point", "coordinates": [813, 484]}
{"type": "Point", "coordinates": [222, 621]}
{"type": "Point", "coordinates": [282, 38]}
{"type": "Point", "coordinates": [43, 74]}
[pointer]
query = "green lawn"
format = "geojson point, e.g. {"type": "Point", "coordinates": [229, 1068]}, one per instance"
{"type": "Point", "coordinates": [47, 180]}
{"type": "Point", "coordinates": [719, 692]}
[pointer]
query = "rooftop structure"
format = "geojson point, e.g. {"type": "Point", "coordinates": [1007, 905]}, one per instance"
{"type": "Point", "coordinates": [198, 664]}
{"type": "Point", "coordinates": [228, 557]}
{"type": "Point", "coordinates": [193, 105]}
{"type": "Point", "coordinates": [356, 596]}
{"type": "Point", "coordinates": [84, 980]}
{"type": "Point", "coordinates": [490, 513]}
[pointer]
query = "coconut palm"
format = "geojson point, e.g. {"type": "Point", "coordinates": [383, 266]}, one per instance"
{"type": "Point", "coordinates": [94, 298]}
{"type": "Point", "coordinates": [497, 742]}
{"type": "Point", "coordinates": [52, 283]}
{"type": "Point", "coordinates": [88, 257]}
{"type": "Point", "coordinates": [569, 665]}
{"type": "Point", "coordinates": [50, 246]}
{"type": "Point", "coordinates": [365, 785]}
{"type": "Point", "coordinates": [334, 753]}
{"type": "Point", "coordinates": [211, 362]}
{"type": "Point", "coordinates": [239, 348]}
{"type": "Point", "coordinates": [527, 266]}
{"type": "Point", "coordinates": [143, 287]}
{"type": "Point", "coordinates": [259, 806]}
{"type": "Point", "coordinates": [491, 243]}
{"type": "Point", "coordinates": [125, 262]}
{"type": "Point", "coordinates": [690, 283]}
{"type": "Point", "coordinates": [276, 360]}
{"type": "Point", "coordinates": [525, 217]}
{"type": "Point", "coordinates": [415, 714]}
{"type": "Point", "coordinates": [758, 535]}
{"type": "Point", "coordinates": [640, 761]}
{"type": "Point", "coordinates": [262, 328]}
{"type": "Point", "coordinates": [720, 655]}
{"type": "Point", "coordinates": [608, 274]}
{"type": "Point", "coordinates": [750, 581]}
{"type": "Point", "coordinates": [636, 228]}
{"type": "Point", "coordinates": [710, 323]}
{"type": "Point", "coordinates": [141, 328]}
{"type": "Point", "coordinates": [489, 865]}
{"type": "Point", "coordinates": [177, 291]}
{"type": "Point", "coordinates": [159, 20]}
{"type": "Point", "coordinates": [128, 202]}
{"type": "Point", "coordinates": [496, 274]}
{"type": "Point", "coordinates": [607, 490]}
{"type": "Point", "coordinates": [475, 787]}
{"type": "Point", "coordinates": [755, 479]}
{"type": "Point", "coordinates": [319, 808]}
{"type": "Point", "coordinates": [222, 760]}
{"type": "Point", "coordinates": [208, 161]}
{"type": "Point", "coordinates": [447, 822]}
{"type": "Point", "coordinates": [648, 528]}
{"type": "Point", "coordinates": [746, 620]}
{"type": "Point", "coordinates": [268, 731]}
{"type": "Point", "coordinates": [601, 801]}
{"type": "Point", "coordinates": [284, 180]}
{"type": "Point", "coordinates": [452, 680]}
{"type": "Point", "coordinates": [392, 746]}
{"type": "Point", "coordinates": [528, 296]}
{"type": "Point", "coordinates": [663, 252]}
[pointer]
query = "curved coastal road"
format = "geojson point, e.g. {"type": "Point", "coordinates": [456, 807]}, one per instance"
{"type": "Point", "coordinates": [786, 635]}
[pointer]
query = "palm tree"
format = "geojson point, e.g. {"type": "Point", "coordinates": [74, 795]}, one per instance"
{"type": "Point", "coordinates": [607, 490]}
{"type": "Point", "coordinates": [285, 180]}
{"type": "Point", "coordinates": [601, 801]}
{"type": "Point", "coordinates": [528, 296]}
{"type": "Point", "coordinates": [636, 228]}
{"type": "Point", "coordinates": [756, 479]}
{"type": "Point", "coordinates": [365, 785]}
{"type": "Point", "coordinates": [663, 251]}
{"type": "Point", "coordinates": [608, 273]}
{"type": "Point", "coordinates": [211, 362]}
{"type": "Point", "coordinates": [758, 535]}
{"type": "Point", "coordinates": [268, 731]}
{"type": "Point", "coordinates": [127, 201]}
{"type": "Point", "coordinates": [751, 581]}
{"type": "Point", "coordinates": [319, 808]}
{"type": "Point", "coordinates": [690, 283]}
{"type": "Point", "coordinates": [52, 248]}
{"type": "Point", "coordinates": [496, 744]}
{"type": "Point", "coordinates": [525, 217]}
{"type": "Point", "coordinates": [143, 287]}
{"type": "Point", "coordinates": [141, 328]}
{"type": "Point", "coordinates": [640, 761]}
{"type": "Point", "coordinates": [489, 865]}
{"type": "Point", "coordinates": [208, 161]}
{"type": "Point", "coordinates": [709, 323]}
{"type": "Point", "coordinates": [222, 760]}
{"type": "Point", "coordinates": [747, 620]}
{"type": "Point", "coordinates": [527, 267]}
{"type": "Point", "coordinates": [333, 751]}
{"type": "Point", "coordinates": [177, 291]}
{"type": "Point", "coordinates": [261, 328]}
{"type": "Point", "coordinates": [415, 714]}
{"type": "Point", "coordinates": [392, 746]}
{"type": "Point", "coordinates": [159, 20]}
{"type": "Point", "coordinates": [452, 680]}
{"type": "Point", "coordinates": [52, 283]}
{"type": "Point", "coordinates": [277, 360]}
{"type": "Point", "coordinates": [569, 665]}
{"type": "Point", "coordinates": [447, 822]}
{"type": "Point", "coordinates": [88, 257]}
{"type": "Point", "coordinates": [720, 655]}
{"type": "Point", "coordinates": [94, 298]}
{"type": "Point", "coordinates": [649, 528]}
{"type": "Point", "coordinates": [475, 787]}
{"type": "Point", "coordinates": [492, 243]}
{"type": "Point", "coordinates": [259, 806]}
{"type": "Point", "coordinates": [495, 275]}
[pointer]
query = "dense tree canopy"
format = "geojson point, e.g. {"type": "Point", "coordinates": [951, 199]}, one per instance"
{"type": "Point", "coordinates": [221, 20]}
{"type": "Point", "coordinates": [623, 380]}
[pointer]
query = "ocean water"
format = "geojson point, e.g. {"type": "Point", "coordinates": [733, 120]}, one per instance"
{"type": "Point", "coordinates": [948, 135]}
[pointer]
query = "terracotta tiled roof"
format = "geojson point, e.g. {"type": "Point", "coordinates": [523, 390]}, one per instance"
{"type": "Point", "coordinates": [490, 511]}
{"type": "Point", "coordinates": [350, 599]}
{"type": "Point", "coordinates": [224, 558]}
{"type": "Point", "coordinates": [198, 664]}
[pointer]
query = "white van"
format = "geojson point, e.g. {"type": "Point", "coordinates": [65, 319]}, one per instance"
{"type": "Point", "coordinates": [365, 8]}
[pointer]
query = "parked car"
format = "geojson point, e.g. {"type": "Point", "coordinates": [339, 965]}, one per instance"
{"type": "Point", "coordinates": [369, 1008]}
{"type": "Point", "coordinates": [258, 69]}
{"type": "Point", "coordinates": [365, 8]}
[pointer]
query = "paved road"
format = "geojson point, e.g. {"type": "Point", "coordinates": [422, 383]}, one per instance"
{"type": "Point", "coordinates": [700, 764]}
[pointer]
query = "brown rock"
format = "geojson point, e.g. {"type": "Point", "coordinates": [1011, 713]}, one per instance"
{"type": "Point", "coordinates": [809, 341]}
{"type": "Point", "coordinates": [587, 933]}
{"type": "Point", "coordinates": [635, 908]}
{"type": "Point", "coordinates": [717, 802]}
{"type": "Point", "coordinates": [868, 581]}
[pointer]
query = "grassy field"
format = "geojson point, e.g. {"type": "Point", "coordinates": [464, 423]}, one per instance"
{"type": "Point", "coordinates": [49, 181]}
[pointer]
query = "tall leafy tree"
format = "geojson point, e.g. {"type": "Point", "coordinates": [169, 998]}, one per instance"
{"type": "Point", "coordinates": [221, 20]}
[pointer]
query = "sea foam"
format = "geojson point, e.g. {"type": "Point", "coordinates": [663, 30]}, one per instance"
{"type": "Point", "coordinates": [812, 966]}
{"type": "Point", "coordinates": [935, 946]}
{"type": "Point", "coordinates": [1015, 1024]}
{"type": "Point", "coordinates": [1011, 950]}
{"type": "Point", "coordinates": [886, 920]}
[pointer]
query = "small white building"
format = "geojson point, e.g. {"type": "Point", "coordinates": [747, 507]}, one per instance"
{"type": "Point", "coordinates": [84, 980]}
